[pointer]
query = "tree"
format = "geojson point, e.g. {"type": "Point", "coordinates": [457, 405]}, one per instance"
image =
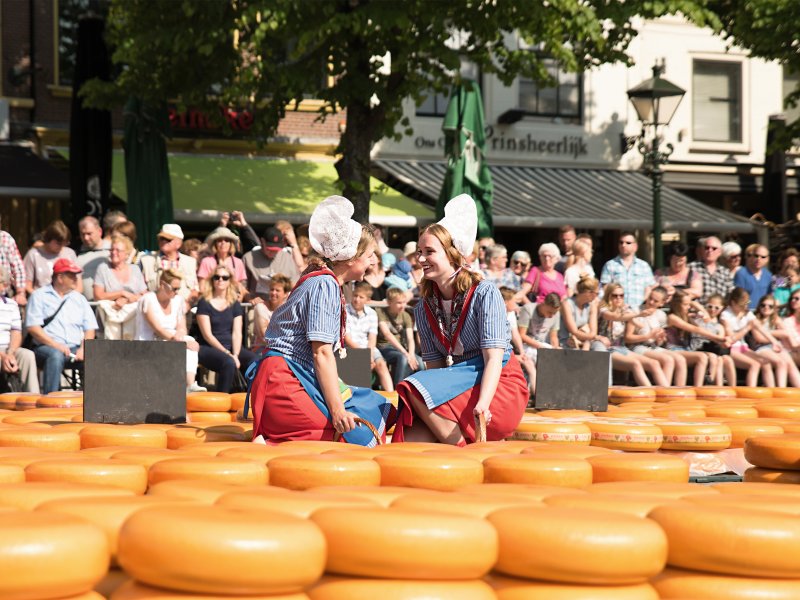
{"type": "Point", "coordinates": [365, 56]}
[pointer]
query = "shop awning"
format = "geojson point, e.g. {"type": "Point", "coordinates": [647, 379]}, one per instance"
{"type": "Point", "coordinates": [266, 190]}
{"type": "Point", "coordinates": [25, 175]}
{"type": "Point", "coordinates": [549, 197]}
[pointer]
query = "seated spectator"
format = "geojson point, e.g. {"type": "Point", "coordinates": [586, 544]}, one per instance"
{"type": "Point", "coordinates": [786, 284]}
{"type": "Point", "coordinates": [791, 323]}
{"type": "Point", "coordinates": [497, 271]}
{"type": "Point", "coordinates": [279, 288]}
{"type": "Point", "coordinates": [521, 264]}
{"type": "Point", "coordinates": [92, 235]}
{"type": "Point", "coordinates": [118, 285]}
{"type": "Point", "coordinates": [110, 219]}
{"type": "Point", "coordinates": [223, 243]}
{"type": "Point", "coordinates": [94, 251]}
{"type": "Point", "coordinates": [362, 331]}
{"type": "Point", "coordinates": [677, 275]}
{"type": "Point", "coordinates": [396, 335]}
{"type": "Point", "coordinates": [273, 256]}
{"type": "Point", "coordinates": [170, 239]}
{"type": "Point", "coordinates": [376, 277]}
{"type": "Point", "coordinates": [401, 277]}
{"type": "Point", "coordinates": [219, 319]}
{"type": "Point", "coordinates": [755, 278]}
{"type": "Point", "coordinates": [410, 253]}
{"type": "Point", "coordinates": [192, 247]}
{"type": "Point", "coordinates": [12, 261]}
{"type": "Point", "coordinates": [764, 339]}
{"type": "Point", "coordinates": [59, 319]}
{"type": "Point", "coordinates": [304, 245]}
{"type": "Point", "coordinates": [537, 327]}
{"type": "Point", "coordinates": [578, 263]}
{"type": "Point", "coordinates": [578, 330]}
{"type": "Point", "coordinates": [291, 243]}
{"type": "Point", "coordinates": [731, 257]}
{"type": "Point", "coordinates": [162, 316]}
{"type": "Point", "coordinates": [13, 359]}
{"type": "Point", "coordinates": [544, 279]}
{"type": "Point", "coordinates": [128, 229]}
{"type": "Point", "coordinates": [39, 261]}
{"type": "Point", "coordinates": [680, 328]}
{"type": "Point", "coordinates": [725, 368]}
{"type": "Point", "coordinates": [235, 221]}
{"type": "Point", "coordinates": [789, 259]}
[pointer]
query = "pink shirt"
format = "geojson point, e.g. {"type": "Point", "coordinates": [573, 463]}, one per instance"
{"type": "Point", "coordinates": [209, 263]}
{"type": "Point", "coordinates": [546, 285]}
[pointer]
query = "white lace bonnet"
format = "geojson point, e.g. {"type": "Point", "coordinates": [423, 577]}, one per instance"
{"type": "Point", "coordinates": [331, 231]}
{"type": "Point", "coordinates": [461, 221]}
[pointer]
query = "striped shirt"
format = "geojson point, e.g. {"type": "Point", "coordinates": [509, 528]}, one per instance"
{"type": "Point", "coordinates": [485, 326]}
{"type": "Point", "coordinates": [10, 320]}
{"type": "Point", "coordinates": [311, 313]}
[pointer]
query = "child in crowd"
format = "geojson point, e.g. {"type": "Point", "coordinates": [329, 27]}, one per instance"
{"type": "Point", "coordinates": [400, 277]}
{"type": "Point", "coordinates": [538, 328]}
{"type": "Point", "coordinates": [787, 285]}
{"type": "Point", "coordinates": [396, 336]}
{"type": "Point", "coordinates": [763, 338]}
{"type": "Point", "coordinates": [740, 321]}
{"type": "Point", "coordinates": [279, 287]}
{"type": "Point", "coordinates": [725, 368]}
{"type": "Point", "coordinates": [362, 331]}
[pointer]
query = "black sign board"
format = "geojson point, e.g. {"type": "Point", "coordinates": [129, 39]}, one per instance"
{"type": "Point", "coordinates": [572, 379]}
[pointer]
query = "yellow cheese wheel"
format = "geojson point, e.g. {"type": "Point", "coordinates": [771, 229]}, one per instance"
{"type": "Point", "coordinates": [428, 471]}
{"type": "Point", "coordinates": [665, 394]}
{"type": "Point", "coordinates": [778, 411]}
{"type": "Point", "coordinates": [471, 505]}
{"type": "Point", "coordinates": [753, 392]}
{"type": "Point", "coordinates": [781, 452]}
{"type": "Point", "coordinates": [298, 504]}
{"type": "Point", "coordinates": [567, 450]}
{"type": "Point", "coordinates": [263, 453]}
{"type": "Point", "coordinates": [628, 436]}
{"type": "Point", "coordinates": [51, 401]}
{"type": "Point", "coordinates": [122, 435]}
{"type": "Point", "coordinates": [339, 588]}
{"type": "Point", "coordinates": [25, 419]}
{"type": "Point", "coordinates": [135, 590]}
{"type": "Point", "coordinates": [25, 401]}
{"type": "Point", "coordinates": [678, 413]}
{"type": "Point", "coordinates": [382, 495]}
{"type": "Point", "coordinates": [108, 513]}
{"type": "Point", "coordinates": [211, 448]}
{"type": "Point", "coordinates": [630, 394]}
{"type": "Point", "coordinates": [237, 471]}
{"type": "Point", "coordinates": [208, 402]}
{"type": "Point", "coordinates": [638, 467]}
{"type": "Point", "coordinates": [743, 429]}
{"type": "Point", "coordinates": [29, 495]}
{"type": "Point", "coordinates": [182, 435]}
{"type": "Point", "coordinates": [237, 401]}
{"type": "Point", "coordinates": [770, 503]}
{"type": "Point", "coordinates": [578, 546]}
{"type": "Point", "coordinates": [218, 550]}
{"type": "Point", "coordinates": [8, 402]}
{"type": "Point", "coordinates": [553, 431]}
{"type": "Point", "coordinates": [793, 393]}
{"type": "Point", "coordinates": [303, 471]}
{"type": "Point", "coordinates": [11, 474]}
{"type": "Point", "coordinates": [750, 488]}
{"type": "Point", "coordinates": [786, 425]}
{"type": "Point", "coordinates": [43, 439]}
{"type": "Point", "coordinates": [417, 545]}
{"type": "Point", "coordinates": [682, 584]}
{"type": "Point", "coordinates": [30, 455]}
{"type": "Point", "coordinates": [202, 491]}
{"type": "Point", "coordinates": [97, 471]}
{"type": "Point", "coordinates": [633, 406]}
{"type": "Point", "coordinates": [146, 457]}
{"type": "Point", "coordinates": [564, 413]}
{"type": "Point", "coordinates": [711, 538]}
{"type": "Point", "coordinates": [220, 418]}
{"type": "Point", "coordinates": [529, 492]}
{"type": "Point", "coordinates": [759, 475]}
{"type": "Point", "coordinates": [663, 489]}
{"type": "Point", "coordinates": [507, 445]}
{"type": "Point", "coordinates": [714, 391]}
{"type": "Point", "coordinates": [48, 555]}
{"type": "Point", "coordinates": [538, 470]}
{"type": "Point", "coordinates": [240, 416]}
{"type": "Point", "coordinates": [689, 437]}
{"type": "Point", "coordinates": [634, 505]}
{"type": "Point", "coordinates": [511, 588]}
{"type": "Point", "coordinates": [109, 451]}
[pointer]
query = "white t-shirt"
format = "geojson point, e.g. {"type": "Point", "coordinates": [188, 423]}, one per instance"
{"type": "Point", "coordinates": [736, 323]}
{"type": "Point", "coordinates": [167, 321]}
{"type": "Point", "coordinates": [573, 275]}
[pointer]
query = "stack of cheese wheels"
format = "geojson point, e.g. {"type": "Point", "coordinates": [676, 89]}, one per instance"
{"type": "Point", "coordinates": [539, 429]}
{"type": "Point", "coordinates": [303, 471]}
{"type": "Point", "coordinates": [776, 458]}
{"type": "Point", "coordinates": [631, 436]}
{"type": "Point", "coordinates": [638, 467]}
{"type": "Point", "coordinates": [208, 407]}
{"type": "Point", "coordinates": [49, 555]}
{"type": "Point", "coordinates": [743, 429]}
{"type": "Point", "coordinates": [26, 401]}
{"type": "Point", "coordinates": [709, 539]}
{"type": "Point", "coordinates": [583, 548]}
{"type": "Point", "coordinates": [619, 394]}
{"type": "Point", "coordinates": [694, 437]}
{"type": "Point", "coordinates": [513, 588]}
{"type": "Point", "coordinates": [443, 472]}
{"type": "Point", "coordinates": [215, 550]}
{"type": "Point", "coordinates": [60, 400]}
{"type": "Point", "coordinates": [93, 436]}
{"type": "Point", "coordinates": [8, 402]}
{"type": "Point", "coordinates": [538, 469]}
{"type": "Point", "coordinates": [237, 471]}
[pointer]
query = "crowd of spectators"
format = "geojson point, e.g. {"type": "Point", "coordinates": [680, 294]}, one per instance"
{"type": "Point", "coordinates": [714, 309]}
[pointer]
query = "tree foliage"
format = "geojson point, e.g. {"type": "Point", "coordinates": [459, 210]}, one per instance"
{"type": "Point", "coordinates": [365, 56]}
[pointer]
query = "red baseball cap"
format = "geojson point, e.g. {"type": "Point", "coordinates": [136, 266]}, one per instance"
{"type": "Point", "coordinates": [65, 265]}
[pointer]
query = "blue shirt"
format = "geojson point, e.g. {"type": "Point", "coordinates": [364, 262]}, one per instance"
{"type": "Point", "coordinates": [634, 279]}
{"type": "Point", "coordinates": [69, 325]}
{"type": "Point", "coordinates": [311, 313]}
{"type": "Point", "coordinates": [485, 326]}
{"type": "Point", "coordinates": [757, 288]}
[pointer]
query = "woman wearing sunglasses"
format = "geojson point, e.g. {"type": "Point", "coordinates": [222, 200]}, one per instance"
{"type": "Point", "coordinates": [219, 318]}
{"type": "Point", "coordinates": [772, 330]}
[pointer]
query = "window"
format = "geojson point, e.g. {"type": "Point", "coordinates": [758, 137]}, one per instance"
{"type": "Point", "coordinates": [790, 81]}
{"type": "Point", "coordinates": [564, 99]}
{"type": "Point", "coordinates": [69, 13]}
{"type": "Point", "coordinates": [717, 101]}
{"type": "Point", "coordinates": [435, 104]}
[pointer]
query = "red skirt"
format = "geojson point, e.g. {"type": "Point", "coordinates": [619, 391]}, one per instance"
{"type": "Point", "coordinates": [508, 406]}
{"type": "Point", "coordinates": [282, 410]}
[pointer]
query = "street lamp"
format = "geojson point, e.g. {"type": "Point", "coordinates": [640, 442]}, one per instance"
{"type": "Point", "coordinates": [655, 101]}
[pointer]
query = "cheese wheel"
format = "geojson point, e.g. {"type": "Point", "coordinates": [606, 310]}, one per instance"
{"type": "Point", "coordinates": [261, 452]}
{"type": "Point", "coordinates": [382, 495]}
{"type": "Point", "coordinates": [428, 471]}
{"type": "Point", "coordinates": [553, 431]}
{"type": "Point", "coordinates": [135, 590]}
{"type": "Point", "coordinates": [681, 584]}
{"type": "Point", "coordinates": [211, 448]}
{"type": "Point", "coordinates": [638, 467]}
{"type": "Point", "coordinates": [564, 413]}
{"type": "Point", "coordinates": [298, 504]}
{"type": "Point", "coordinates": [711, 538]}
{"type": "Point", "coordinates": [635, 505]}
{"type": "Point", "coordinates": [578, 546]}
{"type": "Point", "coordinates": [538, 470]}
{"type": "Point", "coordinates": [107, 513]}
{"type": "Point", "coordinates": [471, 505]}
{"type": "Point", "coordinates": [376, 542]}
{"type": "Point", "coordinates": [781, 452]}
{"type": "Point", "coordinates": [59, 401]}
{"type": "Point", "coordinates": [759, 475]}
{"type": "Point", "coordinates": [511, 588]}
{"type": "Point", "coordinates": [237, 471]}
{"type": "Point", "coordinates": [631, 394]}
{"type": "Point", "coordinates": [771, 503]}
{"type": "Point", "coordinates": [689, 437]}
{"type": "Point", "coordinates": [665, 394]}
{"type": "Point", "coordinates": [182, 435]}
{"type": "Point", "coordinates": [93, 436]}
{"type": "Point", "coordinates": [743, 429]}
{"type": "Point", "coordinates": [220, 418]}
{"type": "Point", "coordinates": [48, 420]}
{"type": "Point", "coordinates": [11, 474]}
{"type": "Point", "coordinates": [43, 439]}
{"type": "Point", "coordinates": [678, 413]}
{"type": "Point", "coordinates": [753, 392]}
{"type": "Point", "coordinates": [339, 588]}
{"type": "Point", "coordinates": [204, 492]}
{"type": "Point", "coordinates": [303, 471]}
{"type": "Point", "coordinates": [29, 456]}
{"type": "Point", "coordinates": [8, 402]}
{"type": "Point", "coordinates": [663, 489]}
{"type": "Point", "coordinates": [96, 471]}
{"type": "Point", "coordinates": [146, 457]}
{"type": "Point", "coordinates": [240, 416]}
{"type": "Point", "coordinates": [508, 445]}
{"type": "Point", "coordinates": [750, 488]}
{"type": "Point", "coordinates": [778, 411]}
{"type": "Point", "coordinates": [621, 435]}
{"type": "Point", "coordinates": [787, 426]}
{"type": "Point", "coordinates": [567, 450]}
{"type": "Point", "coordinates": [319, 446]}
{"type": "Point", "coordinates": [25, 401]}
{"type": "Point", "coordinates": [714, 391]}
{"type": "Point", "coordinates": [217, 550]}
{"type": "Point", "coordinates": [793, 393]}
{"type": "Point", "coordinates": [48, 555]}
{"type": "Point", "coordinates": [208, 402]}
{"type": "Point", "coordinates": [237, 401]}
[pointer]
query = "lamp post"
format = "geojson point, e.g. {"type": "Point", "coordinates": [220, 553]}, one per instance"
{"type": "Point", "coordinates": [655, 101]}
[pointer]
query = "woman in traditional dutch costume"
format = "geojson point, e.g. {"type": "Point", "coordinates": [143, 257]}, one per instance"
{"type": "Point", "coordinates": [296, 392]}
{"type": "Point", "coordinates": [466, 344]}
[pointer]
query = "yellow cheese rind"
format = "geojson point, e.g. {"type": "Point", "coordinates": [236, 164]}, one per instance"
{"type": "Point", "coordinates": [341, 588]}
{"type": "Point", "coordinates": [682, 584]}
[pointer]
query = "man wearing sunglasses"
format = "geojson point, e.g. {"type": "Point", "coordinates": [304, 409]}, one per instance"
{"type": "Point", "coordinates": [717, 279]}
{"type": "Point", "coordinates": [755, 277]}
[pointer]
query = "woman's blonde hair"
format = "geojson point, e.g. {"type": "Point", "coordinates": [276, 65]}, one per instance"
{"type": "Point", "coordinates": [586, 283]}
{"type": "Point", "coordinates": [580, 249]}
{"type": "Point", "coordinates": [317, 262]}
{"type": "Point", "coordinates": [119, 238]}
{"type": "Point", "coordinates": [169, 275]}
{"type": "Point", "coordinates": [231, 295]}
{"type": "Point", "coordinates": [607, 292]}
{"type": "Point", "coordinates": [465, 278]}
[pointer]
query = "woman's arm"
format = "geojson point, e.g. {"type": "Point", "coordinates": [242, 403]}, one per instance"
{"type": "Point", "coordinates": [758, 328]}
{"type": "Point", "coordinates": [678, 323]}
{"type": "Point", "coordinates": [493, 365]}
{"type": "Point", "coordinates": [328, 379]}
{"type": "Point", "coordinates": [631, 337]}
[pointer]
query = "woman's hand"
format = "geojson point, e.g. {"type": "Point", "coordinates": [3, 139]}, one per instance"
{"type": "Point", "coordinates": [412, 362]}
{"type": "Point", "coordinates": [482, 408]}
{"type": "Point", "coordinates": [193, 345]}
{"type": "Point", "coordinates": [120, 302]}
{"type": "Point", "coordinates": [236, 361]}
{"type": "Point", "coordinates": [776, 347]}
{"type": "Point", "coordinates": [342, 420]}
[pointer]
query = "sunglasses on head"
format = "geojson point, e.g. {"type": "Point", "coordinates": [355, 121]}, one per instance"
{"type": "Point", "coordinates": [221, 277]}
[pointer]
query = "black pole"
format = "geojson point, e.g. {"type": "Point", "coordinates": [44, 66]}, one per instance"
{"type": "Point", "coordinates": [657, 175]}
